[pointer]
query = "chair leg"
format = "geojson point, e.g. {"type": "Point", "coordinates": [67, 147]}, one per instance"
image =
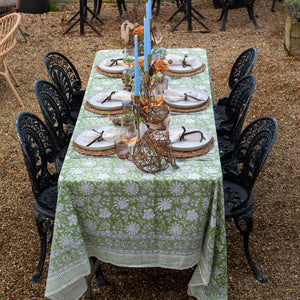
{"type": "Point", "coordinates": [157, 8]}
{"type": "Point", "coordinates": [96, 268]}
{"type": "Point", "coordinates": [12, 75]}
{"type": "Point", "coordinates": [221, 16]}
{"type": "Point", "coordinates": [246, 233]}
{"type": "Point", "coordinates": [225, 14]}
{"type": "Point", "coordinates": [251, 15]}
{"type": "Point", "coordinates": [23, 34]}
{"type": "Point", "coordinates": [12, 86]}
{"type": "Point", "coordinates": [119, 3]}
{"type": "Point", "coordinates": [42, 230]}
{"type": "Point", "coordinates": [99, 275]}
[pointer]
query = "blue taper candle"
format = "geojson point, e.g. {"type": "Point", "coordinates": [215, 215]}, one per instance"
{"type": "Point", "coordinates": [150, 10]}
{"type": "Point", "coordinates": [146, 44]}
{"type": "Point", "coordinates": [136, 67]}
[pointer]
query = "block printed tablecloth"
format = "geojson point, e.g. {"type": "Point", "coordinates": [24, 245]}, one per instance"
{"type": "Point", "coordinates": [110, 209]}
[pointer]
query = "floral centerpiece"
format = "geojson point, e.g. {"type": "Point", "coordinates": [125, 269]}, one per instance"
{"type": "Point", "coordinates": [153, 84]}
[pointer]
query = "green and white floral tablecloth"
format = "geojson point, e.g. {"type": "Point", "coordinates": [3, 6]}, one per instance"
{"type": "Point", "coordinates": [110, 209]}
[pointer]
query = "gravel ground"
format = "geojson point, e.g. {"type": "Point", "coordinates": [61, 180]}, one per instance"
{"type": "Point", "coordinates": [275, 239]}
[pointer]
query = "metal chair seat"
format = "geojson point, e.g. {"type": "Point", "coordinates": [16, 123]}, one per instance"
{"type": "Point", "coordinates": [47, 200]}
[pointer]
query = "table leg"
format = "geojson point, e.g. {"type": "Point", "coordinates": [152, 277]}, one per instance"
{"type": "Point", "coordinates": [83, 17]}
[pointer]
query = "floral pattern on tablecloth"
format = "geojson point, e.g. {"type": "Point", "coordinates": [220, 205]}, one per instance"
{"type": "Point", "coordinates": [110, 209]}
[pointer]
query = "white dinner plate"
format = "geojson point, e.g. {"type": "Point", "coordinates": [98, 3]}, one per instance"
{"type": "Point", "coordinates": [190, 146]}
{"type": "Point", "coordinates": [198, 93]}
{"type": "Point", "coordinates": [188, 69]}
{"type": "Point", "coordinates": [112, 69]}
{"type": "Point", "coordinates": [85, 136]}
{"type": "Point", "coordinates": [96, 98]}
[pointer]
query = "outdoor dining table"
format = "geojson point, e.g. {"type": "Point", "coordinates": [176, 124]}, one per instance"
{"type": "Point", "coordinates": [109, 209]}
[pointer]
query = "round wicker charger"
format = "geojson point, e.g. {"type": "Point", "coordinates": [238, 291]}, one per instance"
{"type": "Point", "coordinates": [113, 75]}
{"type": "Point", "coordinates": [188, 110]}
{"type": "Point", "coordinates": [198, 71]}
{"type": "Point", "coordinates": [187, 154]}
{"type": "Point", "coordinates": [93, 152]}
{"type": "Point", "coordinates": [95, 110]}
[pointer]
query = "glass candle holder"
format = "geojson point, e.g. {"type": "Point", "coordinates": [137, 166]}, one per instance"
{"type": "Point", "coordinates": [122, 149]}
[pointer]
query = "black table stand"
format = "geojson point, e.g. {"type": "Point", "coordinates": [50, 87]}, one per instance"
{"type": "Point", "coordinates": [83, 18]}
{"type": "Point", "coordinates": [186, 6]}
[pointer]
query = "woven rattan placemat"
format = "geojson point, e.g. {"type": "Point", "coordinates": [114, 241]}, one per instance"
{"type": "Point", "coordinates": [187, 154]}
{"type": "Point", "coordinates": [189, 110]}
{"type": "Point", "coordinates": [93, 152]}
{"type": "Point", "coordinates": [95, 110]}
{"type": "Point", "coordinates": [198, 71]}
{"type": "Point", "coordinates": [113, 75]}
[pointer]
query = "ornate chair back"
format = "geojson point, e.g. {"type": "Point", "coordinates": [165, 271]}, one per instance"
{"type": "Point", "coordinates": [238, 103]}
{"type": "Point", "coordinates": [56, 112]}
{"type": "Point", "coordinates": [253, 148]}
{"type": "Point", "coordinates": [242, 66]}
{"type": "Point", "coordinates": [62, 73]}
{"type": "Point", "coordinates": [39, 151]}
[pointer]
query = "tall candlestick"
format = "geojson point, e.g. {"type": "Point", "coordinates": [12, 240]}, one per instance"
{"type": "Point", "coordinates": [136, 67]}
{"type": "Point", "coordinates": [146, 44]}
{"type": "Point", "coordinates": [150, 10]}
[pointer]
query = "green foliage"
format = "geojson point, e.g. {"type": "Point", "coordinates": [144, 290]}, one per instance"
{"type": "Point", "coordinates": [52, 5]}
{"type": "Point", "coordinates": [293, 7]}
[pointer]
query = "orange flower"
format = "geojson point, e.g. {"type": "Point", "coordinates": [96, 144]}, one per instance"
{"type": "Point", "coordinates": [141, 62]}
{"type": "Point", "coordinates": [138, 30]}
{"type": "Point", "coordinates": [161, 65]}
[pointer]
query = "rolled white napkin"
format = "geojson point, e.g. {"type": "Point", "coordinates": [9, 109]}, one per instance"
{"type": "Point", "coordinates": [109, 61]}
{"type": "Point", "coordinates": [123, 96]}
{"type": "Point", "coordinates": [178, 59]}
{"type": "Point", "coordinates": [110, 134]}
{"type": "Point", "coordinates": [175, 96]}
{"type": "Point", "coordinates": [175, 135]}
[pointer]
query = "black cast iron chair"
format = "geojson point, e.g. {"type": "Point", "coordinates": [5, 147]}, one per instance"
{"type": "Point", "coordinates": [57, 116]}
{"type": "Point", "coordinates": [66, 78]}
{"type": "Point", "coordinates": [242, 66]}
{"type": "Point", "coordinates": [230, 118]}
{"type": "Point", "coordinates": [39, 153]}
{"type": "Point", "coordinates": [225, 5]}
{"type": "Point", "coordinates": [251, 152]}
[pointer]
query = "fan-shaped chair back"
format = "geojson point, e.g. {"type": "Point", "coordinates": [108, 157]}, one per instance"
{"type": "Point", "coordinates": [238, 103]}
{"type": "Point", "coordinates": [242, 66]}
{"type": "Point", "coordinates": [62, 73]}
{"type": "Point", "coordinates": [56, 112]}
{"type": "Point", "coordinates": [39, 151]}
{"type": "Point", "coordinates": [253, 148]}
